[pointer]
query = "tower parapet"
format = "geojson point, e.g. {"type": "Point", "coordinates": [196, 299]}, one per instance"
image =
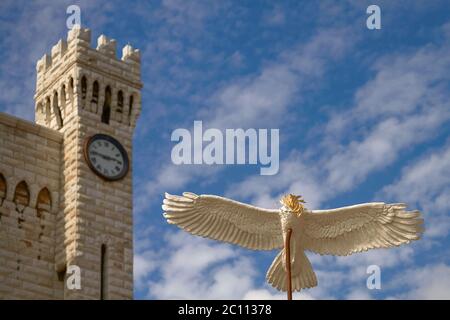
{"type": "Point", "coordinates": [74, 76]}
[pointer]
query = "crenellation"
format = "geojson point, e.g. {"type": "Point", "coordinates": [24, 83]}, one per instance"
{"type": "Point", "coordinates": [131, 55]}
{"type": "Point", "coordinates": [78, 33]}
{"type": "Point", "coordinates": [58, 50]}
{"type": "Point", "coordinates": [106, 46]}
{"type": "Point", "coordinates": [43, 64]}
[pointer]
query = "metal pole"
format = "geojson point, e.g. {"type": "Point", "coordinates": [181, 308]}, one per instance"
{"type": "Point", "coordinates": [287, 247]}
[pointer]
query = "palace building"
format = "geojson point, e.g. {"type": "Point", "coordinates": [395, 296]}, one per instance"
{"type": "Point", "coordinates": [66, 180]}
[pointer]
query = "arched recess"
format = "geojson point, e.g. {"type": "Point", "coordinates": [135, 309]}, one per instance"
{"type": "Point", "coordinates": [44, 200]}
{"type": "Point", "coordinates": [83, 87]}
{"type": "Point", "coordinates": [119, 102]}
{"type": "Point", "coordinates": [57, 110]}
{"type": "Point", "coordinates": [130, 107]}
{"type": "Point", "coordinates": [106, 112]}
{"type": "Point", "coordinates": [43, 208]}
{"type": "Point", "coordinates": [71, 89]}
{"type": "Point", "coordinates": [3, 188]}
{"type": "Point", "coordinates": [95, 89]}
{"type": "Point", "coordinates": [21, 197]}
{"type": "Point", "coordinates": [63, 99]}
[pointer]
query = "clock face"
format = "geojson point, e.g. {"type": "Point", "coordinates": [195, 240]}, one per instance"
{"type": "Point", "coordinates": [106, 157]}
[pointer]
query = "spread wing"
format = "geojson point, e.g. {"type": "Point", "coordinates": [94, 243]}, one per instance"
{"type": "Point", "coordinates": [225, 220]}
{"type": "Point", "coordinates": [347, 230]}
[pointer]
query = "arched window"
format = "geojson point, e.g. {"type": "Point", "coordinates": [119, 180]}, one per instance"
{"type": "Point", "coordinates": [3, 189]}
{"type": "Point", "coordinates": [22, 194]}
{"type": "Point", "coordinates": [107, 106]}
{"type": "Point", "coordinates": [120, 102]}
{"type": "Point", "coordinates": [57, 110]}
{"type": "Point", "coordinates": [95, 92]}
{"type": "Point", "coordinates": [83, 87]}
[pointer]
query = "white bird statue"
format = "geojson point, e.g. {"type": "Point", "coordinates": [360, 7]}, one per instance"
{"type": "Point", "coordinates": [342, 231]}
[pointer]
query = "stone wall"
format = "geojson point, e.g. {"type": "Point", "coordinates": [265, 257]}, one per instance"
{"type": "Point", "coordinates": [30, 159]}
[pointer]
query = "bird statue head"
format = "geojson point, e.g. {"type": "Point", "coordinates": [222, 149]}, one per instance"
{"type": "Point", "coordinates": [293, 203]}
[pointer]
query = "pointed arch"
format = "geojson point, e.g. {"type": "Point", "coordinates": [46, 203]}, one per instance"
{"type": "Point", "coordinates": [71, 89]}
{"type": "Point", "coordinates": [119, 102]}
{"type": "Point", "coordinates": [63, 96]}
{"type": "Point", "coordinates": [95, 90]}
{"type": "Point", "coordinates": [22, 194]}
{"type": "Point", "coordinates": [83, 87]}
{"type": "Point", "coordinates": [44, 198]}
{"type": "Point", "coordinates": [43, 203]}
{"type": "Point", "coordinates": [57, 110]}
{"type": "Point", "coordinates": [47, 105]}
{"type": "Point", "coordinates": [106, 113]}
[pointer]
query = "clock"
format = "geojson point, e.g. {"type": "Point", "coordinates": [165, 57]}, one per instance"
{"type": "Point", "coordinates": [106, 157]}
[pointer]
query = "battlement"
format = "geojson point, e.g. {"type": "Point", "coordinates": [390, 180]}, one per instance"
{"type": "Point", "coordinates": [75, 75]}
{"type": "Point", "coordinates": [77, 49]}
{"type": "Point", "coordinates": [82, 36]}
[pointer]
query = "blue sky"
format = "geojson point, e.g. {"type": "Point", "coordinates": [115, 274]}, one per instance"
{"type": "Point", "coordinates": [363, 116]}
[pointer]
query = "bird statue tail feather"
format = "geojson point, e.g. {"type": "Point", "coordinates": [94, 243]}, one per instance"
{"type": "Point", "coordinates": [303, 275]}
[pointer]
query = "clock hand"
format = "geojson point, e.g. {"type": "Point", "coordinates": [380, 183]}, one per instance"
{"type": "Point", "coordinates": [105, 157]}
{"type": "Point", "coordinates": [100, 155]}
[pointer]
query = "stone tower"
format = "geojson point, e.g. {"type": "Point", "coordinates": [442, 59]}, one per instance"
{"type": "Point", "coordinates": [82, 92]}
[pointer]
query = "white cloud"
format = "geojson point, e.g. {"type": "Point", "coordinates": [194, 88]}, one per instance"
{"type": "Point", "coordinates": [189, 267]}
{"type": "Point", "coordinates": [382, 146]}
{"type": "Point", "coordinates": [143, 265]}
{"type": "Point", "coordinates": [359, 294]}
{"type": "Point", "coordinates": [195, 268]}
{"type": "Point", "coordinates": [294, 177]}
{"type": "Point", "coordinates": [428, 283]}
{"type": "Point", "coordinates": [426, 183]}
{"type": "Point", "coordinates": [263, 99]}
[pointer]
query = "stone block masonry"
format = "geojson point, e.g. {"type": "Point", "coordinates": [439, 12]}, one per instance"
{"type": "Point", "coordinates": [54, 211]}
